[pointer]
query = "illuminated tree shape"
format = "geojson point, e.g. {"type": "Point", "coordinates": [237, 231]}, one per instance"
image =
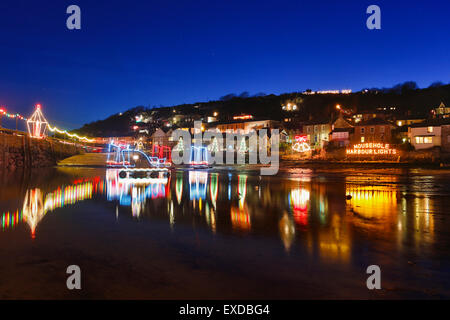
{"type": "Point", "coordinates": [214, 146]}
{"type": "Point", "coordinates": [243, 146]}
{"type": "Point", "coordinates": [179, 146]}
{"type": "Point", "coordinates": [139, 146]}
{"type": "Point", "coordinates": [37, 124]}
{"type": "Point", "coordinates": [33, 209]}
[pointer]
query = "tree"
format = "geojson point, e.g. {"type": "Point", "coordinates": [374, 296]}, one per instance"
{"type": "Point", "coordinates": [436, 84]}
{"type": "Point", "coordinates": [228, 97]}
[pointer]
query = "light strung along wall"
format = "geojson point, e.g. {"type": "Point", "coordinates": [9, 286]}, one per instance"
{"type": "Point", "coordinates": [37, 127]}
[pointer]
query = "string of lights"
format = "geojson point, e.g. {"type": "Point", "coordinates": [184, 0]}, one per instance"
{"type": "Point", "coordinates": [74, 135]}
{"type": "Point", "coordinates": [10, 115]}
{"type": "Point", "coordinates": [37, 126]}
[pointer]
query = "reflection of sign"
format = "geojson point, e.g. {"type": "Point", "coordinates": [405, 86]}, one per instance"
{"type": "Point", "coordinates": [371, 149]}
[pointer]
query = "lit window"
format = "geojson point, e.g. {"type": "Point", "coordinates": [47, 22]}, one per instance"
{"type": "Point", "coordinates": [430, 129]}
{"type": "Point", "coordinates": [428, 140]}
{"type": "Point", "coordinates": [362, 139]}
{"type": "Point", "coordinates": [419, 139]}
{"type": "Point", "coordinates": [399, 123]}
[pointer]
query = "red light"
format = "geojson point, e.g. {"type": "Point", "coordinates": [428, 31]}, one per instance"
{"type": "Point", "coordinates": [301, 138]}
{"type": "Point", "coordinates": [38, 106]}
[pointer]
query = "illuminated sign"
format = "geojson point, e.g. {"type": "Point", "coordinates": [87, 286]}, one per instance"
{"type": "Point", "coordinates": [243, 117]}
{"type": "Point", "coordinates": [371, 149]}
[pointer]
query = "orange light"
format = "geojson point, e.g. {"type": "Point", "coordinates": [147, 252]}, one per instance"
{"type": "Point", "coordinates": [243, 117]}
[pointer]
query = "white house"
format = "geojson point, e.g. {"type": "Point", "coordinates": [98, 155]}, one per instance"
{"type": "Point", "coordinates": [425, 135]}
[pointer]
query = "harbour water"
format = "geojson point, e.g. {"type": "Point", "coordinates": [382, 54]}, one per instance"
{"type": "Point", "coordinates": [226, 233]}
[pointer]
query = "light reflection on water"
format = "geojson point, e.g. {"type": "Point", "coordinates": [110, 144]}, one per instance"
{"type": "Point", "coordinates": [323, 215]}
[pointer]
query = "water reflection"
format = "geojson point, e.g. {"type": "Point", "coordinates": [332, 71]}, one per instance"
{"type": "Point", "coordinates": [36, 204]}
{"type": "Point", "coordinates": [322, 215]}
{"type": "Point", "coordinates": [134, 192]}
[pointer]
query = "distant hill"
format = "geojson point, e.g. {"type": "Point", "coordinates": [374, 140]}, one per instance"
{"type": "Point", "coordinates": [406, 98]}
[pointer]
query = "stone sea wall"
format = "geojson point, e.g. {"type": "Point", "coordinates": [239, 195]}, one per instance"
{"type": "Point", "coordinates": [20, 151]}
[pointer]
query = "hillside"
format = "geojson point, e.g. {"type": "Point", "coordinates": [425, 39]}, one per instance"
{"type": "Point", "coordinates": [406, 97]}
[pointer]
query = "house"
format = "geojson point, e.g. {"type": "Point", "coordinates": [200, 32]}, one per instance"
{"type": "Point", "coordinates": [407, 121]}
{"type": "Point", "coordinates": [341, 132]}
{"type": "Point", "coordinates": [373, 130]}
{"type": "Point", "coordinates": [317, 133]}
{"type": "Point", "coordinates": [368, 115]}
{"type": "Point", "coordinates": [245, 126]}
{"type": "Point", "coordinates": [442, 111]}
{"type": "Point", "coordinates": [161, 137]}
{"type": "Point", "coordinates": [431, 133]}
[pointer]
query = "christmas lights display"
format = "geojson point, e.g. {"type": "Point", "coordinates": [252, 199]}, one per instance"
{"type": "Point", "coordinates": [242, 146]}
{"type": "Point", "coordinates": [10, 115]}
{"type": "Point", "coordinates": [37, 127]}
{"type": "Point", "coordinates": [54, 129]}
{"type": "Point", "coordinates": [115, 157]}
{"type": "Point", "coordinates": [301, 145]}
{"type": "Point", "coordinates": [371, 149]}
{"type": "Point", "coordinates": [37, 124]}
{"type": "Point", "coordinates": [162, 152]}
{"type": "Point", "coordinates": [179, 146]}
{"type": "Point", "coordinates": [214, 146]}
{"type": "Point", "coordinates": [139, 146]}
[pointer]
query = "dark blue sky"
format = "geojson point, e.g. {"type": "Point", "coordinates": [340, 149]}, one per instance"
{"type": "Point", "coordinates": [131, 53]}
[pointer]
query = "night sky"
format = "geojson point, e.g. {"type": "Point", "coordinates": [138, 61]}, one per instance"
{"type": "Point", "coordinates": [131, 53]}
